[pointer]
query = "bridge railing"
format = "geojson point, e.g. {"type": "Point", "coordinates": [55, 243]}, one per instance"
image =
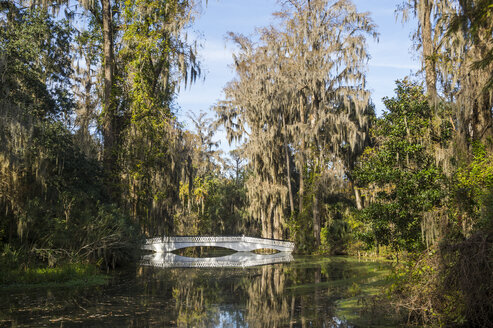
{"type": "Point", "coordinates": [268, 241]}
{"type": "Point", "coordinates": [212, 239]}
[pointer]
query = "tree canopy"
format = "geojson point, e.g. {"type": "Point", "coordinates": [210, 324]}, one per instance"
{"type": "Point", "coordinates": [300, 101]}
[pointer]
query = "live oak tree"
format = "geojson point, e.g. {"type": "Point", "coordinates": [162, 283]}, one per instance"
{"type": "Point", "coordinates": [299, 98]}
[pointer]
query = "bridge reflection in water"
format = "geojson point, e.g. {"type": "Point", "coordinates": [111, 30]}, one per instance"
{"type": "Point", "coordinates": [236, 260]}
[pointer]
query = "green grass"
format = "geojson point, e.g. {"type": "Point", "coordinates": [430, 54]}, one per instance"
{"type": "Point", "coordinates": [68, 275]}
{"type": "Point", "coordinates": [361, 304]}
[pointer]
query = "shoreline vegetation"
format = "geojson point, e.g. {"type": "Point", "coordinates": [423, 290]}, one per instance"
{"type": "Point", "coordinates": [68, 275]}
{"type": "Point", "coordinates": [93, 158]}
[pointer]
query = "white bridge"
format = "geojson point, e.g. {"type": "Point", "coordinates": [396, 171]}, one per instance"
{"type": "Point", "coordinates": [240, 244]}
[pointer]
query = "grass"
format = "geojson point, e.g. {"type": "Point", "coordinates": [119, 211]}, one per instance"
{"type": "Point", "coordinates": [68, 275]}
{"type": "Point", "coordinates": [362, 303]}
{"type": "Point", "coordinates": [364, 273]}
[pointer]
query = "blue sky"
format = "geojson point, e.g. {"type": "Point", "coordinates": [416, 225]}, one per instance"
{"type": "Point", "coordinates": [392, 57]}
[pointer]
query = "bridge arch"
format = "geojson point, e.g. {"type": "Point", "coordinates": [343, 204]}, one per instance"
{"type": "Point", "coordinates": [239, 244]}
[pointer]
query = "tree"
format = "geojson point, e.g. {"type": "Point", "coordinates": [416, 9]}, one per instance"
{"type": "Point", "coordinates": [201, 170]}
{"type": "Point", "coordinates": [155, 59]}
{"type": "Point", "coordinates": [469, 65]}
{"type": "Point", "coordinates": [51, 193]}
{"type": "Point", "coordinates": [404, 188]}
{"type": "Point", "coordinates": [427, 37]}
{"type": "Point", "coordinates": [299, 98]}
{"type": "Point", "coordinates": [457, 49]}
{"type": "Point", "coordinates": [207, 155]}
{"type": "Point", "coordinates": [34, 96]}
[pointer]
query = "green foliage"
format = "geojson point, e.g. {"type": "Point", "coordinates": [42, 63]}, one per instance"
{"type": "Point", "coordinates": [414, 192]}
{"type": "Point", "coordinates": [225, 209]}
{"type": "Point", "coordinates": [336, 234]}
{"type": "Point", "coordinates": [52, 199]}
{"type": "Point", "coordinates": [473, 191]}
{"type": "Point", "coordinates": [448, 285]}
{"type": "Point", "coordinates": [10, 258]}
{"type": "Point", "coordinates": [300, 226]}
{"type": "Point", "coordinates": [153, 149]}
{"type": "Point", "coordinates": [414, 288]}
{"type": "Point", "coordinates": [35, 63]}
{"type": "Point", "coordinates": [218, 207]}
{"type": "Point", "coordinates": [399, 174]}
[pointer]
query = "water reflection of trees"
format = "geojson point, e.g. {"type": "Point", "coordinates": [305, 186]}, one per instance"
{"type": "Point", "coordinates": [300, 294]}
{"type": "Point", "coordinates": [261, 297]}
{"type": "Point", "coordinates": [191, 307]}
{"type": "Point", "coordinates": [267, 304]}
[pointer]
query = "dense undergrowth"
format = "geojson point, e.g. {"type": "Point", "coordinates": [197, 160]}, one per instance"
{"type": "Point", "coordinates": [18, 272]}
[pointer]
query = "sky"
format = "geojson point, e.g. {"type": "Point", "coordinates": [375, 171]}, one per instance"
{"type": "Point", "coordinates": [392, 57]}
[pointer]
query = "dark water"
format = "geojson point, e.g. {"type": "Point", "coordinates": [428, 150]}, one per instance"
{"type": "Point", "coordinates": [307, 292]}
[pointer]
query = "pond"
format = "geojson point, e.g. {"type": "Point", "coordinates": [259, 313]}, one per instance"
{"type": "Point", "coordinates": [303, 291]}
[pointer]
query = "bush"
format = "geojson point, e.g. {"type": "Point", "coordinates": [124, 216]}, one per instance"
{"type": "Point", "coordinates": [451, 285]}
{"type": "Point", "coordinates": [110, 236]}
{"type": "Point", "coordinates": [468, 276]}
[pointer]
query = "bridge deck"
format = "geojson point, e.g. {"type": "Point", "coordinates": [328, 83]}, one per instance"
{"type": "Point", "coordinates": [241, 244]}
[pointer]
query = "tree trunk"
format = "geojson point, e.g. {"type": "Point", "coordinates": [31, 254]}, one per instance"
{"type": "Point", "coordinates": [482, 119]}
{"type": "Point", "coordinates": [428, 51]}
{"type": "Point", "coordinates": [270, 218]}
{"type": "Point", "coordinates": [288, 168]}
{"type": "Point", "coordinates": [302, 159]}
{"type": "Point", "coordinates": [277, 233]}
{"type": "Point", "coordinates": [302, 186]}
{"type": "Point", "coordinates": [316, 215]}
{"type": "Point", "coordinates": [316, 220]}
{"type": "Point", "coordinates": [190, 183]}
{"type": "Point", "coordinates": [109, 110]}
{"type": "Point", "coordinates": [359, 203]}
{"type": "Point", "coordinates": [263, 223]}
